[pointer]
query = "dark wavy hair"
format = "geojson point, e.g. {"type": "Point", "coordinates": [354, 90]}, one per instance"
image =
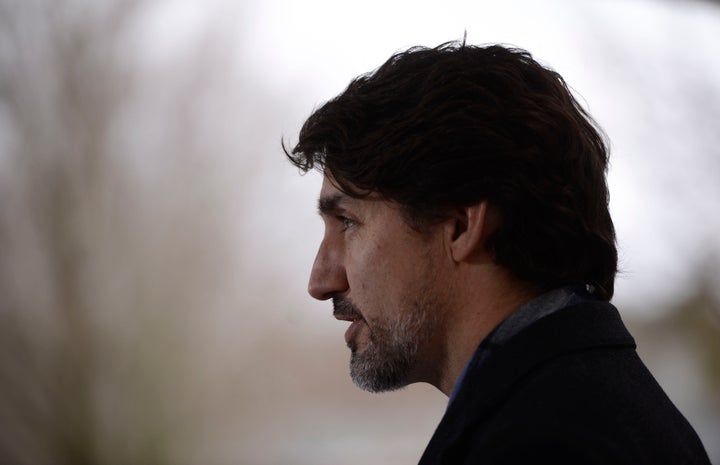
{"type": "Point", "coordinates": [437, 128]}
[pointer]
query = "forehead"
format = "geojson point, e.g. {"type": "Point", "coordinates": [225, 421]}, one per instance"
{"type": "Point", "coordinates": [332, 199]}
{"type": "Point", "coordinates": [328, 187]}
{"type": "Point", "coordinates": [331, 186]}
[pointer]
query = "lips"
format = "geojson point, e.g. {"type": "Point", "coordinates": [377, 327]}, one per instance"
{"type": "Point", "coordinates": [355, 323]}
{"type": "Point", "coordinates": [344, 310]}
{"type": "Point", "coordinates": [352, 329]}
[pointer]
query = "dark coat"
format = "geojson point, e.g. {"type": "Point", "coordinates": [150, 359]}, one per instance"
{"type": "Point", "coordinates": [568, 389]}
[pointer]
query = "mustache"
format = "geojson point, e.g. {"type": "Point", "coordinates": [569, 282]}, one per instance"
{"type": "Point", "coordinates": [342, 306]}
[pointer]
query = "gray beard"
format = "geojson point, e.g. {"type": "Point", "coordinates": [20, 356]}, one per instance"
{"type": "Point", "coordinates": [387, 363]}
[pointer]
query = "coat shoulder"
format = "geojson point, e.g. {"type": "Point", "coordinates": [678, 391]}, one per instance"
{"type": "Point", "coordinates": [585, 399]}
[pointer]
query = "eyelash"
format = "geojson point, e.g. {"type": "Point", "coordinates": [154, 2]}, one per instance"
{"type": "Point", "coordinates": [346, 222]}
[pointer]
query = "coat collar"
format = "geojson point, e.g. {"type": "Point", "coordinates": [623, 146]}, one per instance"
{"type": "Point", "coordinates": [578, 327]}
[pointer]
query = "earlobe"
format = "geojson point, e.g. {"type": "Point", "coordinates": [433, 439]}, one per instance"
{"type": "Point", "coordinates": [468, 230]}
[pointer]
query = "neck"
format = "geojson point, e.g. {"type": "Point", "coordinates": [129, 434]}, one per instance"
{"type": "Point", "coordinates": [475, 314]}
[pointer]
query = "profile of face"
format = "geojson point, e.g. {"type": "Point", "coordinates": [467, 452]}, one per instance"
{"type": "Point", "coordinates": [381, 276]}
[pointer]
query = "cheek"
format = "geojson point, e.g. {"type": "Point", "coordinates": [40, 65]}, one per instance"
{"type": "Point", "coordinates": [368, 264]}
{"type": "Point", "coordinates": [373, 280]}
{"type": "Point", "coordinates": [381, 267]}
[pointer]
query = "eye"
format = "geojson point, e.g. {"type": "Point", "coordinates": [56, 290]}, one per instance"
{"type": "Point", "coordinates": [346, 222]}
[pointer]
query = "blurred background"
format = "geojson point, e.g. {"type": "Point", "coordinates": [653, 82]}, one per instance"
{"type": "Point", "coordinates": [155, 244]}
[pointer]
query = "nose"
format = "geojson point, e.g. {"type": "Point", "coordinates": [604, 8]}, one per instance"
{"type": "Point", "coordinates": [328, 276]}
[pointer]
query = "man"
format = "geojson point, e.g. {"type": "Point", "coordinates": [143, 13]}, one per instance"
{"type": "Point", "coordinates": [468, 242]}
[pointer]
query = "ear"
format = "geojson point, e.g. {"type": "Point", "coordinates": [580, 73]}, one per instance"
{"type": "Point", "coordinates": [467, 230]}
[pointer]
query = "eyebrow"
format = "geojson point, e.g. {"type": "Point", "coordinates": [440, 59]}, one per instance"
{"type": "Point", "coordinates": [330, 204]}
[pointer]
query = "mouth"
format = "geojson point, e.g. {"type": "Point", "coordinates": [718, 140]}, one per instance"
{"type": "Point", "coordinates": [355, 319]}
{"type": "Point", "coordinates": [347, 317]}
{"type": "Point", "coordinates": [351, 331]}
{"type": "Point", "coordinates": [344, 310]}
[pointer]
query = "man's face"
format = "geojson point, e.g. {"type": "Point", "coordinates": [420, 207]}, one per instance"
{"type": "Point", "coordinates": [381, 276]}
